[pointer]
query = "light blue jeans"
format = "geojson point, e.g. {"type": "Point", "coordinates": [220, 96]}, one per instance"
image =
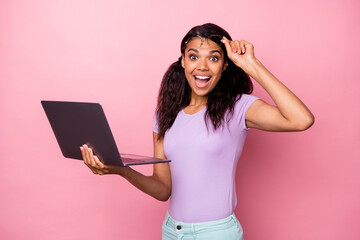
{"type": "Point", "coordinates": [227, 228]}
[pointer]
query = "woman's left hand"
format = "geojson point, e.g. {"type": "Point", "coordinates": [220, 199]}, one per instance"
{"type": "Point", "coordinates": [240, 52]}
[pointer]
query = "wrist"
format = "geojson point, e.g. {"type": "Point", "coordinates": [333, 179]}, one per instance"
{"type": "Point", "coordinates": [123, 171]}
{"type": "Point", "coordinates": [252, 66]}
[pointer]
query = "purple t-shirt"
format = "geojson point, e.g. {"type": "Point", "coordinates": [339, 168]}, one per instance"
{"type": "Point", "coordinates": [203, 164]}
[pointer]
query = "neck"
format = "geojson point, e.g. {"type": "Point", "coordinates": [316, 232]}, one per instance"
{"type": "Point", "coordinates": [198, 100]}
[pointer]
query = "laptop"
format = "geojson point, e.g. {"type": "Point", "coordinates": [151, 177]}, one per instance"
{"type": "Point", "coordinates": [78, 123]}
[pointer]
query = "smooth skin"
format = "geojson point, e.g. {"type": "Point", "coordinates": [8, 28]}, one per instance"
{"type": "Point", "coordinates": [289, 114]}
{"type": "Point", "coordinates": [202, 58]}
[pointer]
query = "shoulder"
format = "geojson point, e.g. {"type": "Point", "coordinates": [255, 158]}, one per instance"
{"type": "Point", "coordinates": [244, 101]}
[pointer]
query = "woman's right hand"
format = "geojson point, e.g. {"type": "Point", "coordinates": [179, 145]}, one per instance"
{"type": "Point", "coordinates": [96, 166]}
{"type": "Point", "coordinates": [158, 185]}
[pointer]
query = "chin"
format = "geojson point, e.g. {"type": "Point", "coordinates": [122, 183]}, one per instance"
{"type": "Point", "coordinates": [202, 92]}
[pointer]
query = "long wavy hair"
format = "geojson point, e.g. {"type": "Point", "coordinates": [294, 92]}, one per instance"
{"type": "Point", "coordinates": [175, 92]}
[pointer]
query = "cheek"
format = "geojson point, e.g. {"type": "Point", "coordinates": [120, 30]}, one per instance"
{"type": "Point", "coordinates": [189, 66]}
{"type": "Point", "coordinates": [218, 70]}
{"type": "Point", "coordinates": [188, 76]}
{"type": "Point", "coordinates": [187, 72]}
{"type": "Point", "coordinates": [189, 69]}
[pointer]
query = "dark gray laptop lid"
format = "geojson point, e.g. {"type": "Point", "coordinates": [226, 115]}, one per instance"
{"type": "Point", "coordinates": [78, 123]}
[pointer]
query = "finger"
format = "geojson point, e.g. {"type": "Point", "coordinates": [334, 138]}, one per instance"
{"type": "Point", "coordinates": [93, 170]}
{"type": "Point", "coordinates": [90, 155]}
{"type": "Point", "coordinates": [249, 47]}
{"type": "Point", "coordinates": [238, 47]}
{"type": "Point", "coordinates": [227, 44]}
{"type": "Point", "coordinates": [99, 172]}
{"type": "Point", "coordinates": [82, 153]}
{"type": "Point", "coordinates": [105, 169]}
{"type": "Point", "coordinates": [93, 159]}
{"type": "Point", "coordinates": [234, 46]}
{"type": "Point", "coordinates": [243, 46]}
{"type": "Point", "coordinates": [98, 162]}
{"type": "Point", "coordinates": [86, 160]}
{"type": "Point", "coordinates": [98, 166]}
{"type": "Point", "coordinates": [85, 154]}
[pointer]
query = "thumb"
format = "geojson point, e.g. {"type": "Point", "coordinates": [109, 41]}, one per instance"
{"type": "Point", "coordinates": [226, 42]}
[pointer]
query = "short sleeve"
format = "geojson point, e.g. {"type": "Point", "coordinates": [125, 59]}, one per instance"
{"type": "Point", "coordinates": [155, 124]}
{"type": "Point", "coordinates": [244, 103]}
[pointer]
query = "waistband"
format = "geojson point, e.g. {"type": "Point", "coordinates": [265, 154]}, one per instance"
{"type": "Point", "coordinates": [195, 227]}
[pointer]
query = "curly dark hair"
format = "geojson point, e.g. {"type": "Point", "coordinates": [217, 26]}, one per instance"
{"type": "Point", "coordinates": [175, 92]}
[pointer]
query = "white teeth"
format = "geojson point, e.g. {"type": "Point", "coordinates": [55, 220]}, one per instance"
{"type": "Point", "coordinates": [202, 77]}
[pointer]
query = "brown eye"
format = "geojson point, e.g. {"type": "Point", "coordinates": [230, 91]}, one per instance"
{"type": "Point", "coordinates": [214, 59]}
{"type": "Point", "coordinates": [192, 57]}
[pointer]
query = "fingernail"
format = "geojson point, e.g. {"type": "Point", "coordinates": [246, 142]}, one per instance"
{"type": "Point", "coordinates": [81, 148]}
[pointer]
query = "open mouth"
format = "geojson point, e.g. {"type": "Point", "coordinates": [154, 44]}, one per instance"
{"type": "Point", "coordinates": [202, 81]}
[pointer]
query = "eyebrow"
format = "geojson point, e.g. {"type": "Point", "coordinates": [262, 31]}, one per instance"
{"type": "Point", "coordinates": [211, 52]}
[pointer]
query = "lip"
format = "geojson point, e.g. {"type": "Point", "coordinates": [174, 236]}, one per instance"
{"type": "Point", "coordinates": [201, 77]}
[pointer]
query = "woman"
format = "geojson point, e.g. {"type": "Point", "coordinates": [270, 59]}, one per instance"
{"type": "Point", "coordinates": [203, 114]}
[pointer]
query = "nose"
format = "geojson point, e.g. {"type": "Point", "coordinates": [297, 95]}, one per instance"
{"type": "Point", "coordinates": [203, 66]}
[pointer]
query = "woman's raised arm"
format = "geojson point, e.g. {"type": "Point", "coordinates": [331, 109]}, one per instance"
{"type": "Point", "coordinates": [289, 114]}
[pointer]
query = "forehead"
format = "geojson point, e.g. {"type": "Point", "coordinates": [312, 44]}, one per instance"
{"type": "Point", "coordinates": [202, 44]}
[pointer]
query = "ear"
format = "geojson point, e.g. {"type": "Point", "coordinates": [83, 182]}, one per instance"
{"type": "Point", "coordinates": [225, 66]}
{"type": "Point", "coordinates": [182, 61]}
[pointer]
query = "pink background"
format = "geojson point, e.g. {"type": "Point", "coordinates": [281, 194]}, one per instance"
{"type": "Point", "coordinates": [290, 185]}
